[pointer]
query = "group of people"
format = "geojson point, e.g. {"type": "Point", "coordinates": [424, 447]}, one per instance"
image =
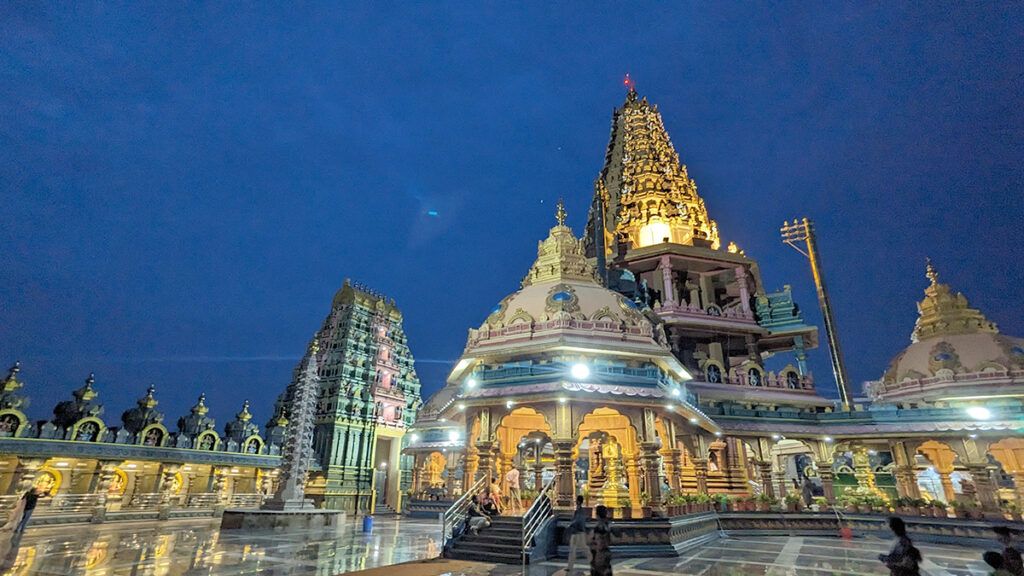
{"type": "Point", "coordinates": [905, 559]}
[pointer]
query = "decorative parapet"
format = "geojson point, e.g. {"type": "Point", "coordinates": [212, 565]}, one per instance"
{"type": "Point", "coordinates": [945, 381]}
{"type": "Point", "coordinates": [777, 311]}
{"type": "Point", "coordinates": [43, 448]}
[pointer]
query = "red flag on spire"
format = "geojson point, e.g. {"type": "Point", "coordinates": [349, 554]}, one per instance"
{"type": "Point", "coordinates": [629, 83]}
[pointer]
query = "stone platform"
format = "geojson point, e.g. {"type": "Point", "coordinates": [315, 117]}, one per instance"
{"type": "Point", "coordinates": [285, 520]}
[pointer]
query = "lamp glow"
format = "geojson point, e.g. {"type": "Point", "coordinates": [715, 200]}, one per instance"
{"type": "Point", "coordinates": [580, 371]}
{"type": "Point", "coordinates": [693, 420]}
{"type": "Point", "coordinates": [509, 404]}
{"type": "Point", "coordinates": [471, 383]}
{"type": "Point", "coordinates": [776, 436]}
{"type": "Point", "coordinates": [563, 400]}
{"type": "Point", "coordinates": [979, 412]}
{"type": "Point", "coordinates": [827, 438]}
{"type": "Point", "coordinates": [415, 437]}
{"type": "Point", "coordinates": [675, 391]}
{"type": "Point", "coordinates": [453, 436]}
{"type": "Point", "coordinates": [462, 405]}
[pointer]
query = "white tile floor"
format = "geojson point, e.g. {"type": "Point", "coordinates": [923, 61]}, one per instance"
{"type": "Point", "coordinates": [187, 548]}
{"type": "Point", "coordinates": [173, 548]}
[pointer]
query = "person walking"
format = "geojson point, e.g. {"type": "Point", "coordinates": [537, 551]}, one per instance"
{"type": "Point", "coordinates": [30, 498]}
{"type": "Point", "coordinates": [1012, 561]}
{"type": "Point", "coordinates": [995, 561]}
{"type": "Point", "coordinates": [577, 535]}
{"type": "Point", "coordinates": [904, 559]}
{"type": "Point", "coordinates": [807, 492]}
{"type": "Point", "coordinates": [600, 545]}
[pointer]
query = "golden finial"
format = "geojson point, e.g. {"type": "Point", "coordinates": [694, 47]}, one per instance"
{"type": "Point", "coordinates": [560, 213]}
{"type": "Point", "coordinates": [930, 272]}
{"type": "Point", "coordinates": [314, 346]}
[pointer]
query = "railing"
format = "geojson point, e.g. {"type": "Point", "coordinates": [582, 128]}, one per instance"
{"type": "Point", "coordinates": [74, 502]}
{"type": "Point", "coordinates": [203, 500]}
{"type": "Point", "coordinates": [536, 515]}
{"type": "Point", "coordinates": [457, 512]}
{"type": "Point", "coordinates": [246, 500]}
{"type": "Point", "coordinates": [144, 500]}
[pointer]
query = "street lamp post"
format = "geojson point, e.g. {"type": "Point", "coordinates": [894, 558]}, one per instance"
{"type": "Point", "coordinates": [802, 231]}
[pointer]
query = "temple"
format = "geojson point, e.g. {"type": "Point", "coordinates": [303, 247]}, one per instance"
{"type": "Point", "coordinates": [632, 366]}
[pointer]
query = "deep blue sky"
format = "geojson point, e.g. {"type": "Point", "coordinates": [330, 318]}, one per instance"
{"type": "Point", "coordinates": [185, 187]}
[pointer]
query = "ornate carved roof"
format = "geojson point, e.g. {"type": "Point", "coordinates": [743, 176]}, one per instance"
{"type": "Point", "coordinates": [197, 422]}
{"type": "Point", "coordinates": [242, 426]}
{"type": "Point", "coordinates": [9, 397]}
{"type": "Point", "coordinates": [144, 414]}
{"type": "Point", "coordinates": [643, 183]}
{"type": "Point", "coordinates": [560, 257]}
{"type": "Point", "coordinates": [83, 404]}
{"type": "Point", "coordinates": [944, 312]}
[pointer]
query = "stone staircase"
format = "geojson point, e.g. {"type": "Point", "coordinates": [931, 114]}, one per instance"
{"type": "Point", "coordinates": [501, 543]}
{"type": "Point", "coordinates": [384, 510]}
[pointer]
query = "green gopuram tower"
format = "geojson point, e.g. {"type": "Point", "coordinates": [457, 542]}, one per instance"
{"type": "Point", "coordinates": [368, 397]}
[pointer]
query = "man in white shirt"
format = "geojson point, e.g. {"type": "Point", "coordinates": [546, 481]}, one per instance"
{"type": "Point", "coordinates": [515, 503]}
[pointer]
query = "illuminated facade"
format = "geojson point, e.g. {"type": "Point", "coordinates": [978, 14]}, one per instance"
{"type": "Point", "coordinates": [632, 363]}
{"type": "Point", "coordinates": [91, 470]}
{"type": "Point", "coordinates": [369, 395]}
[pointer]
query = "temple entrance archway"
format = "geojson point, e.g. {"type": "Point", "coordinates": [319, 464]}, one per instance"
{"type": "Point", "coordinates": [524, 443]}
{"type": "Point", "coordinates": [936, 474]}
{"type": "Point", "coordinates": [607, 442]}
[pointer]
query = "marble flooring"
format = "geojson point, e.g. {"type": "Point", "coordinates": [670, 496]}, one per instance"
{"type": "Point", "coordinates": [188, 548]}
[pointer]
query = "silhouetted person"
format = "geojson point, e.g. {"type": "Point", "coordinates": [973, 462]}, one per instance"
{"type": "Point", "coordinates": [30, 498]}
{"type": "Point", "coordinates": [600, 545]}
{"type": "Point", "coordinates": [904, 559]}
{"type": "Point", "coordinates": [1012, 562]}
{"type": "Point", "coordinates": [807, 492]}
{"type": "Point", "coordinates": [578, 535]}
{"type": "Point", "coordinates": [995, 560]}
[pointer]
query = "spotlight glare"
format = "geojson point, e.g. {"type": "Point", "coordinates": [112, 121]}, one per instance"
{"type": "Point", "coordinates": [827, 438]}
{"type": "Point", "coordinates": [693, 420]}
{"type": "Point", "coordinates": [675, 391]}
{"type": "Point", "coordinates": [471, 383]}
{"type": "Point", "coordinates": [563, 400]}
{"type": "Point", "coordinates": [580, 371]}
{"type": "Point", "coordinates": [776, 436]}
{"type": "Point", "coordinates": [453, 436]}
{"type": "Point", "coordinates": [979, 412]}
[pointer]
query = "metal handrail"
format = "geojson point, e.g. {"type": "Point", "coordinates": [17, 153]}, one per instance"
{"type": "Point", "coordinates": [458, 511]}
{"type": "Point", "coordinates": [538, 512]}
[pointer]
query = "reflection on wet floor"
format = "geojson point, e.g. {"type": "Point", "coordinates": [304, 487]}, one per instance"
{"type": "Point", "coordinates": [171, 548]}
{"type": "Point", "coordinates": [182, 548]}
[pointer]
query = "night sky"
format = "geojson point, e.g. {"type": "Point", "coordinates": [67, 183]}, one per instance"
{"type": "Point", "coordinates": [185, 187]}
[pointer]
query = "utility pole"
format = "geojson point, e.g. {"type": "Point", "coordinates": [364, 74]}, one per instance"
{"type": "Point", "coordinates": [802, 231]}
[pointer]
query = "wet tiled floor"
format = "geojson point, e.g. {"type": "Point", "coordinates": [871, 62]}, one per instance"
{"type": "Point", "coordinates": [182, 548]}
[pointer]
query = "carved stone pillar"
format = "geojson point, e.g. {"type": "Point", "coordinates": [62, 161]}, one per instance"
{"type": "Point", "coordinates": [220, 483]}
{"type": "Point", "coordinates": [106, 471]}
{"type": "Point", "coordinates": [26, 472]}
{"type": "Point", "coordinates": [947, 486]}
{"type": "Point", "coordinates": [765, 469]}
{"type": "Point", "coordinates": [673, 468]}
{"type": "Point", "coordinates": [982, 477]}
{"type": "Point", "coordinates": [563, 466]}
{"type": "Point", "coordinates": [669, 296]}
{"type": "Point", "coordinates": [649, 455]}
{"type": "Point", "coordinates": [741, 279]}
{"type": "Point", "coordinates": [700, 470]}
{"type": "Point", "coordinates": [472, 462]}
{"type": "Point", "coordinates": [167, 487]}
{"type": "Point", "coordinates": [484, 460]}
{"type": "Point", "coordinates": [906, 482]}
{"type": "Point", "coordinates": [780, 482]}
{"type": "Point", "coordinates": [267, 483]}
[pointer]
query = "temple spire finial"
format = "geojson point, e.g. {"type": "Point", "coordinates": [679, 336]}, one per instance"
{"type": "Point", "coordinates": [930, 272]}
{"type": "Point", "coordinates": [560, 213]}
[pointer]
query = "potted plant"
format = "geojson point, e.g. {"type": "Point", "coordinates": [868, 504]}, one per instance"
{"type": "Point", "coordinates": [820, 504]}
{"type": "Point", "coordinates": [879, 505]}
{"type": "Point", "coordinates": [722, 503]}
{"type": "Point", "coordinates": [849, 502]}
{"type": "Point", "coordinates": [792, 502]}
{"type": "Point", "coordinates": [626, 512]}
{"type": "Point", "coordinates": [939, 509]}
{"type": "Point", "coordinates": [703, 502]}
{"type": "Point", "coordinates": [764, 503]}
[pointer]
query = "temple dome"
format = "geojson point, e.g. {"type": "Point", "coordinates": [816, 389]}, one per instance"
{"type": "Point", "coordinates": [562, 300]}
{"type": "Point", "coordinates": [955, 351]}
